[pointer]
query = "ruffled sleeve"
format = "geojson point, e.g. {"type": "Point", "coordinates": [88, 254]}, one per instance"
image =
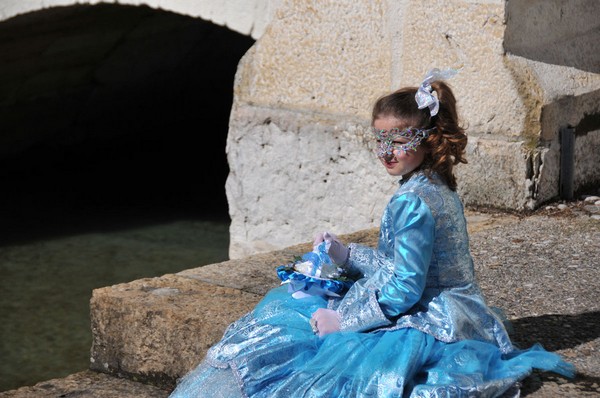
{"type": "Point", "coordinates": [395, 278]}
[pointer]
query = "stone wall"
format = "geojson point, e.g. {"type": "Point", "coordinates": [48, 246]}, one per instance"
{"type": "Point", "coordinates": [297, 149]}
{"type": "Point", "coordinates": [559, 32]}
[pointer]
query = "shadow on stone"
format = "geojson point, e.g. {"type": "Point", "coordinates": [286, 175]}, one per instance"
{"type": "Point", "coordinates": [556, 332]}
{"type": "Point", "coordinates": [567, 36]}
{"type": "Point", "coordinates": [579, 384]}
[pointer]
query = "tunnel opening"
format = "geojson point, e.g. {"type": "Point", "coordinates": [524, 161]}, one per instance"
{"type": "Point", "coordinates": [112, 117]}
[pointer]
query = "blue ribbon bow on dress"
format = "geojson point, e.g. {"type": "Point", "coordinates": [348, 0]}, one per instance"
{"type": "Point", "coordinates": [315, 275]}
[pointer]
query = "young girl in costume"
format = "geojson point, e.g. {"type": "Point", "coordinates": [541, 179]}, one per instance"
{"type": "Point", "coordinates": [414, 324]}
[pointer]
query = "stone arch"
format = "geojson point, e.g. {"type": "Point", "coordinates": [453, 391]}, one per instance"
{"type": "Point", "coordinates": [106, 110]}
{"type": "Point", "coordinates": [248, 17]}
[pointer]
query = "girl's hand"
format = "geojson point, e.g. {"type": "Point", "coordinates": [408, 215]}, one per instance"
{"type": "Point", "coordinates": [337, 251]}
{"type": "Point", "coordinates": [325, 321]}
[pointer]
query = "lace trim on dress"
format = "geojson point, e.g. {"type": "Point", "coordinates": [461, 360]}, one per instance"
{"type": "Point", "coordinates": [363, 317]}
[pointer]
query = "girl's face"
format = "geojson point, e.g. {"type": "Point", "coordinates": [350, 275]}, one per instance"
{"type": "Point", "coordinates": [399, 162]}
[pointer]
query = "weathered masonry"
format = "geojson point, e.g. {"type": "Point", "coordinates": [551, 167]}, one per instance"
{"type": "Point", "coordinates": [297, 147]}
{"type": "Point", "coordinates": [528, 91]}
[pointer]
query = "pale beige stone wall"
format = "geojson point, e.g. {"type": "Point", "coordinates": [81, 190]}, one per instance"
{"type": "Point", "coordinates": [297, 144]}
{"type": "Point", "coordinates": [307, 86]}
{"type": "Point", "coordinates": [556, 32]}
{"type": "Point", "coordinates": [320, 56]}
{"type": "Point", "coordinates": [293, 173]}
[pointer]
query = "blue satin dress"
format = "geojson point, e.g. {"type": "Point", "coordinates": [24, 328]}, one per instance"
{"type": "Point", "coordinates": [413, 325]}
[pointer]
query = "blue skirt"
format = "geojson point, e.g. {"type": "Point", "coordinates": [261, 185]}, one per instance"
{"type": "Point", "coordinates": [272, 352]}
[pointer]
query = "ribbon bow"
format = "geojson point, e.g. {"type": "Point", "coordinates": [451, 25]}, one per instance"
{"type": "Point", "coordinates": [424, 95]}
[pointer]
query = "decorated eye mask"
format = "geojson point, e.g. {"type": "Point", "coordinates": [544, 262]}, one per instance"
{"type": "Point", "coordinates": [386, 144]}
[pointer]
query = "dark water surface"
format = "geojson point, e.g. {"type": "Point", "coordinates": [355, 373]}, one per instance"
{"type": "Point", "coordinates": [85, 221]}
{"type": "Point", "coordinates": [85, 218]}
{"type": "Point", "coordinates": [46, 286]}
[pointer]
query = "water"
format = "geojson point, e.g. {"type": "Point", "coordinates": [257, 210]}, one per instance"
{"type": "Point", "coordinates": [46, 285]}
{"type": "Point", "coordinates": [85, 217]}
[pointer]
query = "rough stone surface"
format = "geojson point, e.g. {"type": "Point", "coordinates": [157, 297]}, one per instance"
{"type": "Point", "coordinates": [292, 174]}
{"type": "Point", "coordinates": [476, 47]}
{"type": "Point", "coordinates": [579, 111]}
{"type": "Point", "coordinates": [559, 32]}
{"type": "Point", "coordinates": [497, 162]}
{"type": "Point", "coordinates": [306, 65]}
{"type": "Point", "coordinates": [158, 329]}
{"type": "Point", "coordinates": [320, 56]}
{"type": "Point", "coordinates": [88, 384]}
{"type": "Point", "coordinates": [255, 274]}
{"type": "Point", "coordinates": [543, 272]}
{"type": "Point", "coordinates": [540, 269]}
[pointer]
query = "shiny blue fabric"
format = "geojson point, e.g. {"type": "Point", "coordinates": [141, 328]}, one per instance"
{"type": "Point", "coordinates": [297, 281]}
{"type": "Point", "coordinates": [390, 345]}
{"type": "Point", "coordinates": [308, 282]}
{"type": "Point", "coordinates": [421, 274]}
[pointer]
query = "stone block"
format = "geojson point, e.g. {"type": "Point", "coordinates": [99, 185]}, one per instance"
{"type": "Point", "coordinates": [558, 32]}
{"type": "Point", "coordinates": [326, 57]}
{"type": "Point", "coordinates": [87, 384]}
{"type": "Point", "coordinates": [579, 110]}
{"type": "Point", "coordinates": [497, 174]}
{"type": "Point", "coordinates": [302, 76]}
{"type": "Point", "coordinates": [156, 330]}
{"type": "Point", "coordinates": [254, 274]}
{"type": "Point", "coordinates": [486, 90]}
{"type": "Point", "coordinates": [320, 171]}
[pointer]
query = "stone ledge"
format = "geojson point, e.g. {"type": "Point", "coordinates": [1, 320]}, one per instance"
{"type": "Point", "coordinates": [87, 384]}
{"type": "Point", "coordinates": [256, 274]}
{"type": "Point", "coordinates": [156, 330]}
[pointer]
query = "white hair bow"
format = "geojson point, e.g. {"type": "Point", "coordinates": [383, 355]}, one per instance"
{"type": "Point", "coordinates": [424, 95]}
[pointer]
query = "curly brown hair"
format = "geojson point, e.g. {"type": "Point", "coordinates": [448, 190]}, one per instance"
{"type": "Point", "coordinates": [445, 147]}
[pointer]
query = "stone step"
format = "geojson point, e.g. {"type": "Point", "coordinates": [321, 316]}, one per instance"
{"type": "Point", "coordinates": [156, 330]}
{"type": "Point", "coordinates": [153, 331]}
{"type": "Point", "coordinates": [88, 384]}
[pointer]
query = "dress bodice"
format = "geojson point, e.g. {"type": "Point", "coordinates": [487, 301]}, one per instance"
{"type": "Point", "coordinates": [451, 246]}
{"type": "Point", "coordinates": [421, 274]}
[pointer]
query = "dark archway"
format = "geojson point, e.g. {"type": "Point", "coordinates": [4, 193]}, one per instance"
{"type": "Point", "coordinates": [110, 117]}
{"type": "Point", "coordinates": [112, 114]}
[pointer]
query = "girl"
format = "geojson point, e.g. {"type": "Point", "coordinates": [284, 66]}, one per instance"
{"type": "Point", "coordinates": [414, 324]}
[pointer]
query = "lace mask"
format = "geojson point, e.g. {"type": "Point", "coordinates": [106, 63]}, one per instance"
{"type": "Point", "coordinates": [386, 144]}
